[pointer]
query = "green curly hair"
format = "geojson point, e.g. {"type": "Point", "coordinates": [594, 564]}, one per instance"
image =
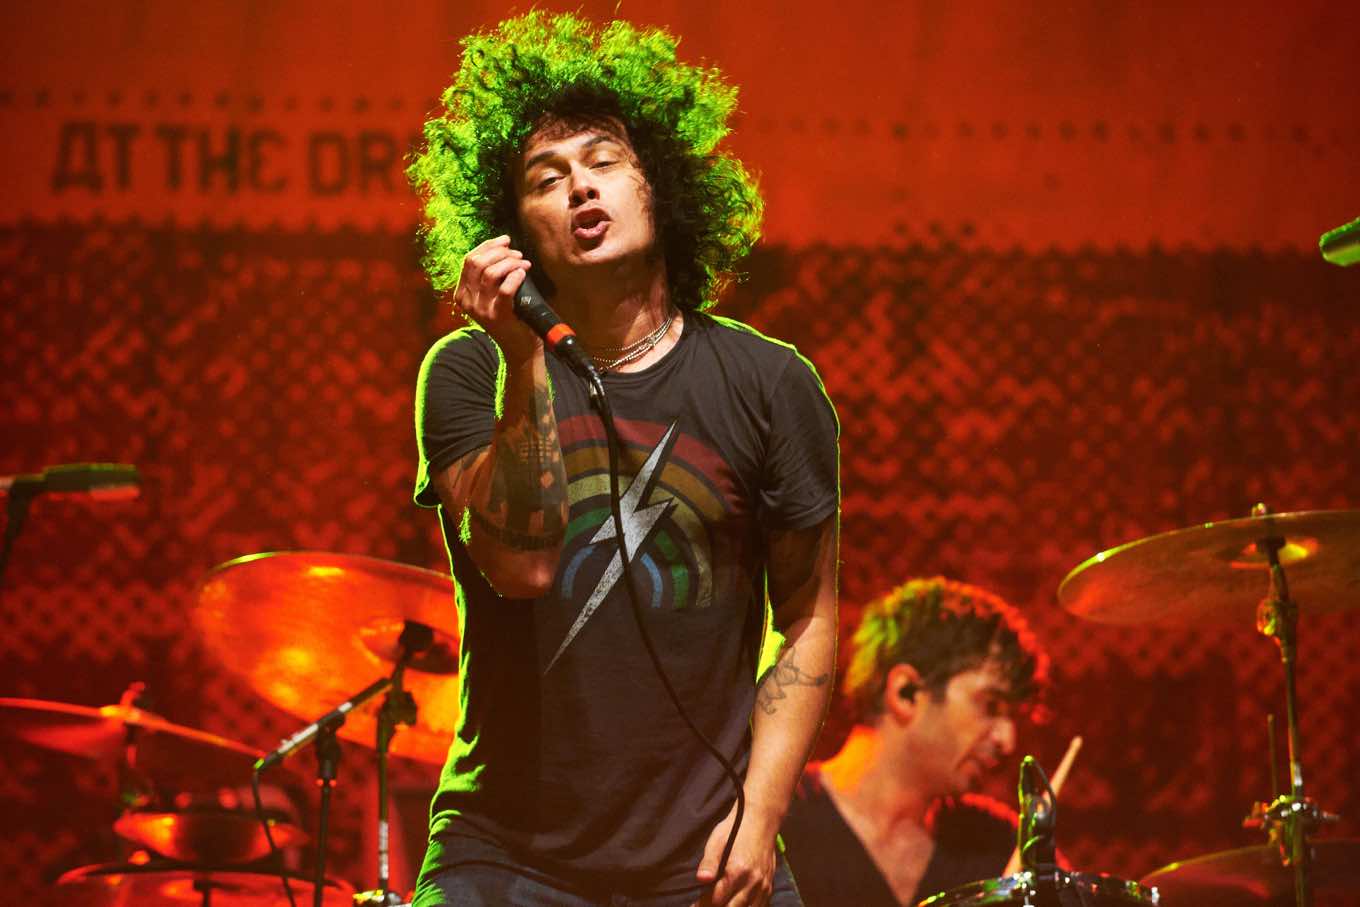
{"type": "Point", "coordinates": [540, 68]}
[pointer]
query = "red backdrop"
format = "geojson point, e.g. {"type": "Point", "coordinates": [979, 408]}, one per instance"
{"type": "Point", "coordinates": [1057, 268]}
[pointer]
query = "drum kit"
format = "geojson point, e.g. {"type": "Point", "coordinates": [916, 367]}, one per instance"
{"type": "Point", "coordinates": [1268, 569]}
{"type": "Point", "coordinates": [311, 628]}
{"type": "Point", "coordinates": [300, 628]}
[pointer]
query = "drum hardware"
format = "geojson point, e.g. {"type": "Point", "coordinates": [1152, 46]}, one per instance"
{"type": "Point", "coordinates": [150, 750]}
{"type": "Point", "coordinates": [303, 628]}
{"type": "Point", "coordinates": [171, 884]}
{"type": "Point", "coordinates": [1036, 833]}
{"type": "Point", "coordinates": [1041, 882]}
{"type": "Point", "coordinates": [96, 481]}
{"type": "Point", "coordinates": [398, 707]}
{"type": "Point", "coordinates": [1013, 865]}
{"type": "Point", "coordinates": [296, 625]}
{"type": "Point", "coordinates": [206, 837]}
{"type": "Point", "coordinates": [1255, 875]}
{"type": "Point", "coordinates": [1207, 573]}
{"type": "Point", "coordinates": [1065, 889]}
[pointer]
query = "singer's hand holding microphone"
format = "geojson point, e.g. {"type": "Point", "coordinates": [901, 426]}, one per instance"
{"type": "Point", "coordinates": [496, 290]}
{"type": "Point", "coordinates": [492, 273]}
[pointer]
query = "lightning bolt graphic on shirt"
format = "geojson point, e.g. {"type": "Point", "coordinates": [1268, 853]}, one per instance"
{"type": "Point", "coordinates": [637, 525]}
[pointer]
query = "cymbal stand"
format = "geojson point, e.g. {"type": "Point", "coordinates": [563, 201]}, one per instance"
{"type": "Point", "coordinates": [1289, 819]}
{"type": "Point", "coordinates": [398, 707]}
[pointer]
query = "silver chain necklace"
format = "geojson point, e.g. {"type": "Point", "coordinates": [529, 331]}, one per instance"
{"type": "Point", "coordinates": [635, 350]}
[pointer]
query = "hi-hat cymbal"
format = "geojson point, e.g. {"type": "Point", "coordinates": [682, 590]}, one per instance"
{"type": "Point", "coordinates": [1215, 572]}
{"type": "Point", "coordinates": [211, 837]}
{"type": "Point", "coordinates": [308, 630]}
{"type": "Point", "coordinates": [1254, 876]}
{"type": "Point", "coordinates": [174, 885]}
{"type": "Point", "coordinates": [166, 753]}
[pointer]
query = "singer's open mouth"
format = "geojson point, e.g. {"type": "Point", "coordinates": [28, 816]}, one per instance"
{"type": "Point", "coordinates": [590, 224]}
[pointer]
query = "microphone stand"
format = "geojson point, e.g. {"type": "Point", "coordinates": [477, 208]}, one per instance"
{"type": "Point", "coordinates": [399, 707]}
{"type": "Point", "coordinates": [327, 766]}
{"type": "Point", "coordinates": [16, 514]}
{"type": "Point", "coordinates": [1038, 821]}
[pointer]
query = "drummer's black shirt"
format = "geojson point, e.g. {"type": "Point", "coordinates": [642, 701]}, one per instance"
{"type": "Point", "coordinates": [568, 757]}
{"type": "Point", "coordinates": [974, 837]}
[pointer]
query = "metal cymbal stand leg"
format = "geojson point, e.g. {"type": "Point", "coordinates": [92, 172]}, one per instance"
{"type": "Point", "coordinates": [1290, 818]}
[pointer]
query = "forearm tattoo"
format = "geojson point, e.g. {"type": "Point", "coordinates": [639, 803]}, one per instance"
{"type": "Point", "coordinates": [781, 677]}
{"type": "Point", "coordinates": [527, 505]}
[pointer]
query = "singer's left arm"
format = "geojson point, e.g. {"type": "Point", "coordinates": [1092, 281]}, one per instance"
{"type": "Point", "coordinates": [791, 701]}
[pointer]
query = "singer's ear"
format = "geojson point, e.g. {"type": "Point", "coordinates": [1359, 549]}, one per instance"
{"type": "Point", "coordinates": [902, 691]}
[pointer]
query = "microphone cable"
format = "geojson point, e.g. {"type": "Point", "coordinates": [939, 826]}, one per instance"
{"type": "Point", "coordinates": [275, 855]}
{"type": "Point", "coordinates": [532, 308]}
{"type": "Point", "coordinates": [606, 413]}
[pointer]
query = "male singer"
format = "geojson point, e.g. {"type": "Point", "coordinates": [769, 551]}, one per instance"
{"type": "Point", "coordinates": [588, 158]}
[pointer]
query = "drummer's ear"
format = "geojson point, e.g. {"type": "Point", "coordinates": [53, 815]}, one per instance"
{"type": "Point", "coordinates": [901, 690]}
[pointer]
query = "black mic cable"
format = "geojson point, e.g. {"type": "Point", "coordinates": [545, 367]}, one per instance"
{"type": "Point", "coordinates": [634, 598]}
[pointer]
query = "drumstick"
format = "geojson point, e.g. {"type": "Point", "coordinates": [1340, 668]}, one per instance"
{"type": "Point", "coordinates": [1013, 864]}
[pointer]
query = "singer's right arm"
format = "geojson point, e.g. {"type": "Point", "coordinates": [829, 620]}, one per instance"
{"type": "Point", "coordinates": [514, 491]}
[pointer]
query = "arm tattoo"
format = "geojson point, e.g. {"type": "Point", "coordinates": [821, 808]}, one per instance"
{"type": "Point", "coordinates": [526, 506]}
{"type": "Point", "coordinates": [512, 538]}
{"type": "Point", "coordinates": [783, 675]}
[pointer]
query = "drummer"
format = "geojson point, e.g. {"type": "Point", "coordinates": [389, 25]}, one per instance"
{"type": "Point", "coordinates": [938, 675]}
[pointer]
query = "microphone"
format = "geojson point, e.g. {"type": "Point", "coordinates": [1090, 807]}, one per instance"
{"type": "Point", "coordinates": [557, 334]}
{"type": "Point", "coordinates": [1342, 245]}
{"type": "Point", "coordinates": [289, 745]}
{"type": "Point", "coordinates": [1038, 815]}
{"type": "Point", "coordinates": [98, 481]}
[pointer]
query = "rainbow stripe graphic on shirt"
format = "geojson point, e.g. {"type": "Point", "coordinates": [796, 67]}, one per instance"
{"type": "Point", "coordinates": [674, 490]}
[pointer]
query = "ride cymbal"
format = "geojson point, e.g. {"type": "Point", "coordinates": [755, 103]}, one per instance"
{"type": "Point", "coordinates": [166, 753]}
{"type": "Point", "coordinates": [172, 885]}
{"type": "Point", "coordinates": [308, 630]}
{"type": "Point", "coordinates": [1254, 876]}
{"type": "Point", "coordinates": [1217, 573]}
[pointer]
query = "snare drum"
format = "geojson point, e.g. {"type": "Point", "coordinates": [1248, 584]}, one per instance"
{"type": "Point", "coordinates": [1069, 889]}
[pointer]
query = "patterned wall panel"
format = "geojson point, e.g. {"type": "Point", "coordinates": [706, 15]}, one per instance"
{"type": "Point", "coordinates": [1004, 414]}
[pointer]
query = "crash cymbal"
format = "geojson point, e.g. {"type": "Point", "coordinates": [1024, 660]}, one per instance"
{"type": "Point", "coordinates": [211, 837]}
{"type": "Point", "coordinates": [166, 753]}
{"type": "Point", "coordinates": [1254, 876]}
{"type": "Point", "coordinates": [308, 630]}
{"type": "Point", "coordinates": [1214, 572]}
{"type": "Point", "coordinates": [176, 885]}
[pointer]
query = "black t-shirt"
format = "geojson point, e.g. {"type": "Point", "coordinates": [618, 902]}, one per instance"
{"type": "Point", "coordinates": [974, 837]}
{"type": "Point", "coordinates": [568, 755]}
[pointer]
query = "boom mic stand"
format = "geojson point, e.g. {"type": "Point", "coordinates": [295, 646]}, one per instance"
{"type": "Point", "coordinates": [398, 708]}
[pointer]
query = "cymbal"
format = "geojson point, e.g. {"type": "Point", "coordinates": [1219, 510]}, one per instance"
{"type": "Point", "coordinates": [1214, 573]}
{"type": "Point", "coordinates": [214, 837]}
{"type": "Point", "coordinates": [1255, 876]}
{"type": "Point", "coordinates": [178, 885]}
{"type": "Point", "coordinates": [166, 753]}
{"type": "Point", "coordinates": [307, 630]}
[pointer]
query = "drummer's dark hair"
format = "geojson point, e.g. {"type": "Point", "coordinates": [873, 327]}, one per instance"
{"type": "Point", "coordinates": [940, 627]}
